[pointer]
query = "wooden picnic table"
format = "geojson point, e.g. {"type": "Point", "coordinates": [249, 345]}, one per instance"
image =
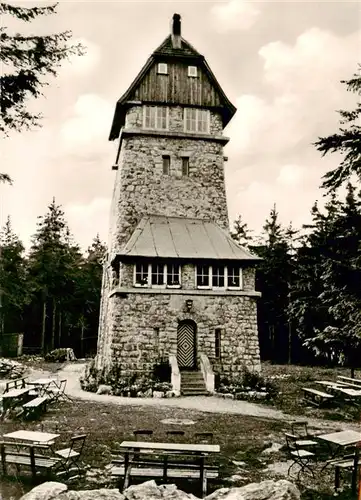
{"type": "Point", "coordinates": [166, 449]}
{"type": "Point", "coordinates": [44, 384]}
{"type": "Point", "coordinates": [340, 440]}
{"type": "Point", "coordinates": [32, 436]}
{"type": "Point", "coordinates": [331, 383]}
{"type": "Point", "coordinates": [10, 398]}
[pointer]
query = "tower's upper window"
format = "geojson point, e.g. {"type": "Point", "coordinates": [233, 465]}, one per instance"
{"type": "Point", "coordinates": [192, 71]}
{"type": "Point", "coordinates": [196, 120]}
{"type": "Point", "coordinates": [156, 117]}
{"type": "Point", "coordinates": [163, 69]}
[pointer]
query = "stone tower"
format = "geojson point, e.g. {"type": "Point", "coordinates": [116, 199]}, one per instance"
{"type": "Point", "coordinates": [175, 286]}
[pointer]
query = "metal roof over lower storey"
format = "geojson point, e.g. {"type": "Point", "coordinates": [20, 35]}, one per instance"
{"type": "Point", "coordinates": [181, 237]}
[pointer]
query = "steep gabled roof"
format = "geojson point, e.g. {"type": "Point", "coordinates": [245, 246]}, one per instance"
{"type": "Point", "coordinates": [186, 49]}
{"type": "Point", "coordinates": [167, 50]}
{"type": "Point", "coordinates": [183, 238]}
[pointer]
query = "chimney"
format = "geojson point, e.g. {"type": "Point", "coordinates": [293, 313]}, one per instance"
{"type": "Point", "coordinates": [176, 31]}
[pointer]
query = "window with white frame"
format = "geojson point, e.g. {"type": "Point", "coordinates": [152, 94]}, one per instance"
{"type": "Point", "coordinates": [219, 276]}
{"type": "Point", "coordinates": [196, 120]}
{"type": "Point", "coordinates": [218, 273]}
{"type": "Point", "coordinates": [141, 274]}
{"type": "Point", "coordinates": [192, 71]}
{"type": "Point", "coordinates": [173, 275]}
{"type": "Point", "coordinates": [156, 117]}
{"type": "Point", "coordinates": [234, 277]}
{"type": "Point", "coordinates": [158, 274]}
{"type": "Point", "coordinates": [203, 275]}
{"type": "Point", "coordinates": [162, 69]}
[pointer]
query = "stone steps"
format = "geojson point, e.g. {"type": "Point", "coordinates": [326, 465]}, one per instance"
{"type": "Point", "coordinates": [192, 384]}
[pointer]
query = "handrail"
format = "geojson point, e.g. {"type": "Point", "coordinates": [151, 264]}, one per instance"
{"type": "Point", "coordinates": [175, 374]}
{"type": "Point", "coordinates": [207, 371]}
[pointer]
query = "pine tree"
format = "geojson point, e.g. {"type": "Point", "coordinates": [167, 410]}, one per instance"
{"type": "Point", "coordinates": [26, 63]}
{"type": "Point", "coordinates": [13, 286]}
{"type": "Point", "coordinates": [347, 141]}
{"type": "Point", "coordinates": [241, 233]}
{"type": "Point", "coordinates": [54, 263]}
{"type": "Point", "coordinates": [273, 280]}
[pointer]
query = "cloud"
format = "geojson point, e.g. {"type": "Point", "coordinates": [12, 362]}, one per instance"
{"type": "Point", "coordinates": [234, 15]}
{"type": "Point", "coordinates": [81, 65]}
{"type": "Point", "coordinates": [271, 154]}
{"type": "Point", "coordinates": [88, 219]}
{"type": "Point", "coordinates": [88, 125]}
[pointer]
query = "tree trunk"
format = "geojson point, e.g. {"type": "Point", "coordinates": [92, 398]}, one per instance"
{"type": "Point", "coordinates": [43, 328]}
{"type": "Point", "coordinates": [82, 341]}
{"type": "Point", "coordinates": [352, 372]}
{"type": "Point", "coordinates": [53, 328]}
{"type": "Point", "coordinates": [59, 328]}
{"type": "Point", "coordinates": [289, 343]}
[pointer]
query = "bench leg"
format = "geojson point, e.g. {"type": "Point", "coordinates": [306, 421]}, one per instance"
{"type": "Point", "coordinates": [337, 478]}
{"type": "Point", "coordinates": [165, 467]}
{"type": "Point", "coordinates": [202, 477]}
{"type": "Point", "coordinates": [127, 467]}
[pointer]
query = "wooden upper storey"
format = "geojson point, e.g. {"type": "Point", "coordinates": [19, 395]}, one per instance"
{"type": "Point", "coordinates": [175, 87]}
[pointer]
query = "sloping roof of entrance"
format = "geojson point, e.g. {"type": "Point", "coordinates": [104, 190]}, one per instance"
{"type": "Point", "coordinates": [180, 237]}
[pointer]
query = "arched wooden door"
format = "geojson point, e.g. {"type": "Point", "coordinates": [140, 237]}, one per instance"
{"type": "Point", "coordinates": [186, 344]}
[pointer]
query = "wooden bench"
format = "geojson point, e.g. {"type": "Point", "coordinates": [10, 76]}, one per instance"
{"type": "Point", "coordinates": [18, 383]}
{"type": "Point", "coordinates": [35, 407]}
{"type": "Point", "coordinates": [316, 397]}
{"type": "Point", "coordinates": [351, 382]}
{"type": "Point", "coordinates": [30, 455]}
{"type": "Point", "coordinates": [165, 469]}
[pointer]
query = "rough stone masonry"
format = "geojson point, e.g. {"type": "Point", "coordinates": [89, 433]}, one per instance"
{"type": "Point", "coordinates": [144, 317]}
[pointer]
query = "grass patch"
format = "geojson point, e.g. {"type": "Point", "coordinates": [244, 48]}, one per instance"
{"type": "Point", "coordinates": [242, 438]}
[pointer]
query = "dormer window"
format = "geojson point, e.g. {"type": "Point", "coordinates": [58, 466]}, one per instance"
{"type": "Point", "coordinates": [162, 69]}
{"type": "Point", "coordinates": [156, 117]}
{"type": "Point", "coordinates": [192, 71]}
{"type": "Point", "coordinates": [196, 120]}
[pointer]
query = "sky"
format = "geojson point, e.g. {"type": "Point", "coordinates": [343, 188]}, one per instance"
{"type": "Point", "coordinates": [280, 63]}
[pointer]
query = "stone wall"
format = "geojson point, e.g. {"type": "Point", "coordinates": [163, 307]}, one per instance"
{"type": "Point", "coordinates": [144, 327]}
{"type": "Point", "coordinates": [141, 187]}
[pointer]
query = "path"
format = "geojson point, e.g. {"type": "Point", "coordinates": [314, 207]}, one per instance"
{"type": "Point", "coordinates": [210, 404]}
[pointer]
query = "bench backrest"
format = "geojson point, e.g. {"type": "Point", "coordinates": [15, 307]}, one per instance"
{"type": "Point", "coordinates": [22, 445]}
{"type": "Point", "coordinates": [19, 383]}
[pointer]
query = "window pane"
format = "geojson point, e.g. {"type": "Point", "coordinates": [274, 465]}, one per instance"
{"type": "Point", "coordinates": [161, 117]}
{"type": "Point", "coordinates": [166, 165]}
{"type": "Point", "coordinates": [202, 120]}
{"type": "Point", "coordinates": [185, 166]}
{"type": "Point", "coordinates": [191, 119]}
{"type": "Point", "coordinates": [202, 275]}
{"type": "Point", "coordinates": [218, 276]}
{"type": "Point", "coordinates": [233, 276]}
{"type": "Point", "coordinates": [173, 274]}
{"type": "Point", "coordinates": [147, 116]}
{"type": "Point", "coordinates": [153, 117]}
{"type": "Point", "coordinates": [141, 274]}
{"type": "Point", "coordinates": [157, 274]}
